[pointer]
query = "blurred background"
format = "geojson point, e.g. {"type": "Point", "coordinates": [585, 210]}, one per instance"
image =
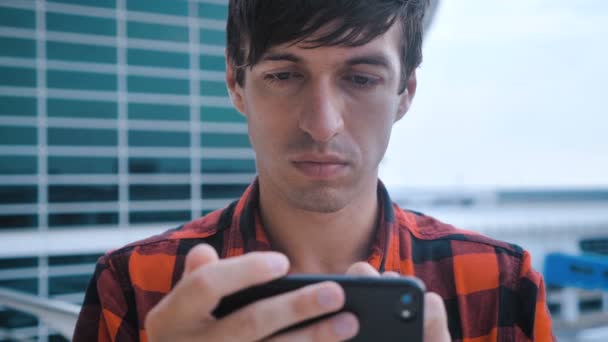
{"type": "Point", "coordinates": [115, 124]}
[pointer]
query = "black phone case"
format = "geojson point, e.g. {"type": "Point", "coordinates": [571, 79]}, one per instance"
{"type": "Point", "coordinates": [388, 309]}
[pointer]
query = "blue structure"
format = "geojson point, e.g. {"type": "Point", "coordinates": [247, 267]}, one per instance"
{"type": "Point", "coordinates": [588, 272]}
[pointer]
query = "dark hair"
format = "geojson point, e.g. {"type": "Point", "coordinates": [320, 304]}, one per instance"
{"type": "Point", "coordinates": [256, 25]}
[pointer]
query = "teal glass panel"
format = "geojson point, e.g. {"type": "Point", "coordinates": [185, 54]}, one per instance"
{"type": "Point", "coordinates": [157, 85]}
{"type": "Point", "coordinates": [13, 319]}
{"type": "Point", "coordinates": [68, 284]}
{"type": "Point", "coordinates": [57, 337]}
{"type": "Point", "coordinates": [158, 192]}
{"type": "Point", "coordinates": [216, 114]}
{"type": "Point", "coordinates": [157, 31]}
{"type": "Point", "coordinates": [18, 106]}
{"type": "Point", "coordinates": [213, 37]}
{"type": "Point", "coordinates": [80, 52]}
{"type": "Point", "coordinates": [18, 194]}
{"type": "Point", "coordinates": [82, 193]}
{"type": "Point", "coordinates": [16, 47]}
{"type": "Point", "coordinates": [213, 11]}
{"type": "Point", "coordinates": [215, 63]}
{"type": "Point", "coordinates": [6, 263]}
{"type": "Point", "coordinates": [212, 191]}
{"type": "Point", "coordinates": [82, 137]}
{"type": "Point", "coordinates": [81, 80]}
{"type": "Point", "coordinates": [18, 165]}
{"type": "Point", "coordinates": [58, 165]}
{"type": "Point", "coordinates": [80, 24]}
{"type": "Point", "coordinates": [17, 77]}
{"type": "Point", "coordinates": [159, 216]}
{"type": "Point", "coordinates": [18, 221]}
{"type": "Point", "coordinates": [27, 285]}
{"type": "Point", "coordinates": [16, 17]}
{"type": "Point", "coordinates": [158, 139]}
{"type": "Point", "coordinates": [18, 135]}
{"type": "Point", "coordinates": [98, 3]}
{"type": "Point", "coordinates": [227, 166]}
{"type": "Point", "coordinates": [224, 140]}
{"type": "Point", "coordinates": [159, 6]}
{"type": "Point", "coordinates": [159, 165]}
{"type": "Point", "coordinates": [142, 111]}
{"type": "Point", "coordinates": [209, 88]}
{"type": "Point", "coordinates": [84, 219]}
{"type": "Point", "coordinates": [158, 58]}
{"type": "Point", "coordinates": [79, 259]}
{"type": "Point", "coordinates": [82, 109]}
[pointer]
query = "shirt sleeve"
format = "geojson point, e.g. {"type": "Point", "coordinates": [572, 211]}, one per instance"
{"type": "Point", "coordinates": [105, 313]}
{"type": "Point", "coordinates": [534, 317]}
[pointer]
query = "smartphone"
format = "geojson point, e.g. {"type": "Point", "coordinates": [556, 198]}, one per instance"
{"type": "Point", "coordinates": [388, 309]}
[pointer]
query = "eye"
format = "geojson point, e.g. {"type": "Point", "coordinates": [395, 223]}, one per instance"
{"type": "Point", "coordinates": [282, 76]}
{"type": "Point", "coordinates": [362, 81]}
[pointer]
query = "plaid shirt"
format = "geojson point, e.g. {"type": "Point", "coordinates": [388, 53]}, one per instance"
{"type": "Point", "coordinates": [489, 288]}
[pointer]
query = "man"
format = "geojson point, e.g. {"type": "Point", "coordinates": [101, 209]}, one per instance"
{"type": "Point", "coordinates": [320, 83]}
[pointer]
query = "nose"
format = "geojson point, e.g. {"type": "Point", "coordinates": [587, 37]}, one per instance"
{"type": "Point", "coordinates": [322, 114]}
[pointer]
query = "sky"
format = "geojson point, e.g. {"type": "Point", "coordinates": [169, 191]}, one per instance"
{"type": "Point", "coordinates": [511, 94]}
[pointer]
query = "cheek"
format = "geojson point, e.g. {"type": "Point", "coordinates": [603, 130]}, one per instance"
{"type": "Point", "coordinates": [374, 142]}
{"type": "Point", "coordinates": [371, 127]}
{"type": "Point", "coordinates": [267, 120]}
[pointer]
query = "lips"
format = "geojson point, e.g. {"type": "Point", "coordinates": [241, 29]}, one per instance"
{"type": "Point", "coordinates": [320, 166]}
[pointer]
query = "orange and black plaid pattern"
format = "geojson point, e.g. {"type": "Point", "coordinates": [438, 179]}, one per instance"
{"type": "Point", "coordinates": [490, 291]}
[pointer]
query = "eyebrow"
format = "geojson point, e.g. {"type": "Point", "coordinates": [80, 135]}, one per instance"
{"type": "Point", "coordinates": [371, 59]}
{"type": "Point", "coordinates": [374, 59]}
{"type": "Point", "coordinates": [281, 57]}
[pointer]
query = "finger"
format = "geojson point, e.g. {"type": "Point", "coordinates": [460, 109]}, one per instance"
{"type": "Point", "coordinates": [391, 274]}
{"type": "Point", "coordinates": [198, 256]}
{"type": "Point", "coordinates": [340, 327]}
{"type": "Point", "coordinates": [199, 292]}
{"type": "Point", "coordinates": [435, 319]}
{"type": "Point", "coordinates": [362, 269]}
{"type": "Point", "coordinates": [268, 316]}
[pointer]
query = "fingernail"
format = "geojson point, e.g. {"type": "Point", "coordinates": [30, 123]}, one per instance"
{"type": "Point", "coordinates": [278, 264]}
{"type": "Point", "coordinates": [344, 325]}
{"type": "Point", "coordinates": [327, 298]}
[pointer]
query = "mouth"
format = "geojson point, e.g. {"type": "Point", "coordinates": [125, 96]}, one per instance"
{"type": "Point", "coordinates": [320, 166]}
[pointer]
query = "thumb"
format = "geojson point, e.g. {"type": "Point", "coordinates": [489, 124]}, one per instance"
{"type": "Point", "coordinates": [362, 268]}
{"type": "Point", "coordinates": [435, 319]}
{"type": "Point", "coordinates": [198, 256]}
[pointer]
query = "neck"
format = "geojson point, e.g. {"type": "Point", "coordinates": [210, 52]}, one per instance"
{"type": "Point", "coordinates": [317, 242]}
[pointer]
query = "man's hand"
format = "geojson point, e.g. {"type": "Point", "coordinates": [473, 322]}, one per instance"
{"type": "Point", "coordinates": [435, 317]}
{"type": "Point", "coordinates": [185, 313]}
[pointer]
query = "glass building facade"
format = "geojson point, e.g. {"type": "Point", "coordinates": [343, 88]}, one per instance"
{"type": "Point", "coordinates": [114, 115]}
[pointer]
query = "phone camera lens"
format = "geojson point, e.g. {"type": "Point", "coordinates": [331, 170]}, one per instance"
{"type": "Point", "coordinates": [406, 299]}
{"type": "Point", "coordinates": [406, 314]}
{"type": "Point", "coordinates": [406, 308]}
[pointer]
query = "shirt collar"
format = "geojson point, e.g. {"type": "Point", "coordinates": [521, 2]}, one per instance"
{"type": "Point", "coordinates": [247, 234]}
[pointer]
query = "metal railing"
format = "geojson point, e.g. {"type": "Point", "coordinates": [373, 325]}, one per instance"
{"type": "Point", "coordinates": [60, 316]}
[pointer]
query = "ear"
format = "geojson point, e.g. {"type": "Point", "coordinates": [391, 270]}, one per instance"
{"type": "Point", "coordinates": [405, 100]}
{"type": "Point", "coordinates": [234, 88]}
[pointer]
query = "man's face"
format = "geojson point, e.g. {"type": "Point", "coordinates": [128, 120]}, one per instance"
{"type": "Point", "coordinates": [320, 118]}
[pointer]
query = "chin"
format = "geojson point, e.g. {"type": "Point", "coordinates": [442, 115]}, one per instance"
{"type": "Point", "coordinates": [320, 200]}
